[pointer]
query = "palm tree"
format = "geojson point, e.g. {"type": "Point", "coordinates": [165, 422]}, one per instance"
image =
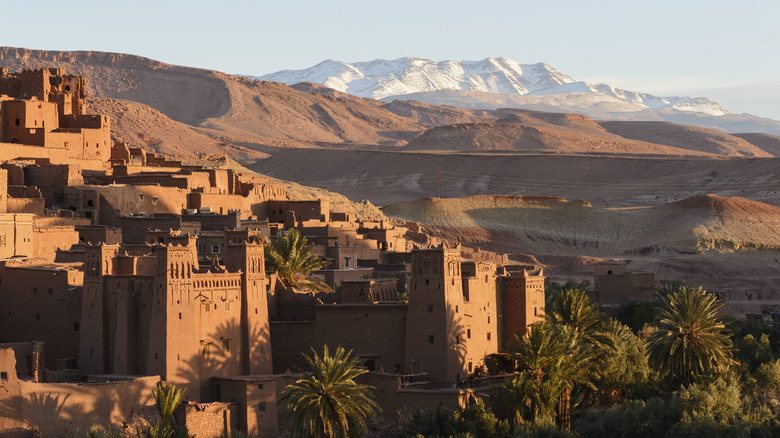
{"type": "Point", "coordinates": [538, 355]}
{"type": "Point", "coordinates": [288, 255]}
{"type": "Point", "coordinates": [581, 332]}
{"type": "Point", "coordinates": [167, 398]}
{"type": "Point", "coordinates": [691, 341]}
{"type": "Point", "coordinates": [328, 403]}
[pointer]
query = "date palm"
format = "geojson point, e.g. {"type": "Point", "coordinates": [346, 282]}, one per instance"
{"type": "Point", "coordinates": [581, 333]}
{"type": "Point", "coordinates": [329, 403]}
{"type": "Point", "coordinates": [691, 341]}
{"type": "Point", "coordinates": [289, 255]}
{"type": "Point", "coordinates": [538, 355]}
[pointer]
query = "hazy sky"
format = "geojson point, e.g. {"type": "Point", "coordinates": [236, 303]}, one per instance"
{"type": "Point", "coordinates": [723, 50]}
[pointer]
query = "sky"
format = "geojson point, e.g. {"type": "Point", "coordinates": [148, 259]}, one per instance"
{"type": "Point", "coordinates": [725, 50]}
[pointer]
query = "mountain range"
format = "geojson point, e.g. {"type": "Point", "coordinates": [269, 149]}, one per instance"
{"type": "Point", "coordinates": [503, 83]}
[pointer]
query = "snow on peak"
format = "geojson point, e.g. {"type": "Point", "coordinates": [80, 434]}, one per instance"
{"type": "Point", "coordinates": [380, 79]}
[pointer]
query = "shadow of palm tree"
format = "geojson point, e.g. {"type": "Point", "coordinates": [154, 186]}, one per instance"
{"type": "Point", "coordinates": [223, 353]}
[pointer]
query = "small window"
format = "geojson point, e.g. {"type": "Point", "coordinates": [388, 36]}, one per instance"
{"type": "Point", "coordinates": [430, 308]}
{"type": "Point", "coordinates": [427, 282]}
{"type": "Point", "coordinates": [3, 375]}
{"type": "Point", "coordinates": [89, 203]}
{"type": "Point", "coordinates": [226, 345]}
{"type": "Point", "coordinates": [471, 366]}
{"type": "Point", "coordinates": [227, 306]}
{"type": "Point", "coordinates": [140, 196]}
{"type": "Point", "coordinates": [215, 249]}
{"type": "Point", "coordinates": [488, 336]}
{"type": "Point", "coordinates": [261, 406]}
{"type": "Point", "coordinates": [18, 122]}
{"type": "Point", "coordinates": [468, 333]}
{"type": "Point", "coordinates": [37, 316]}
{"type": "Point", "coordinates": [259, 386]}
{"type": "Point", "coordinates": [75, 326]}
{"type": "Point", "coordinates": [206, 348]}
{"type": "Point", "coordinates": [35, 290]}
{"type": "Point", "coordinates": [50, 291]}
{"type": "Point", "coordinates": [430, 339]}
{"type": "Point", "coordinates": [179, 315]}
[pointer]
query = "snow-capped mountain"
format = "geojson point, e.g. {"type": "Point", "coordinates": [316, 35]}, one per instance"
{"type": "Point", "coordinates": [393, 79]}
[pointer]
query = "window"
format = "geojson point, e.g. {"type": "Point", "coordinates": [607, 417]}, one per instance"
{"type": "Point", "coordinates": [3, 375]}
{"type": "Point", "coordinates": [227, 306]}
{"type": "Point", "coordinates": [430, 339]}
{"type": "Point", "coordinates": [90, 203]}
{"type": "Point", "coordinates": [261, 406]}
{"type": "Point", "coordinates": [468, 333]}
{"type": "Point", "coordinates": [35, 290]}
{"type": "Point", "coordinates": [18, 122]}
{"type": "Point", "coordinates": [488, 336]}
{"type": "Point", "coordinates": [206, 347]}
{"type": "Point", "coordinates": [488, 319]}
{"type": "Point", "coordinates": [471, 366]}
{"type": "Point", "coordinates": [215, 249]}
{"type": "Point", "coordinates": [140, 196]}
{"type": "Point", "coordinates": [75, 326]}
{"type": "Point", "coordinates": [430, 308]}
{"type": "Point", "coordinates": [427, 282]}
{"type": "Point", "coordinates": [226, 345]}
{"type": "Point", "coordinates": [50, 291]}
{"type": "Point", "coordinates": [179, 315]}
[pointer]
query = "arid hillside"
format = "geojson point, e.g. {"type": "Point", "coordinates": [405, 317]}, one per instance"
{"type": "Point", "coordinates": [241, 113]}
{"type": "Point", "coordinates": [605, 181]}
{"type": "Point", "coordinates": [139, 124]}
{"type": "Point", "coordinates": [547, 225]}
{"type": "Point", "coordinates": [237, 110]}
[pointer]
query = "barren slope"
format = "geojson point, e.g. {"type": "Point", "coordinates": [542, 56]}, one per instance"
{"type": "Point", "coordinates": [766, 142]}
{"type": "Point", "coordinates": [686, 137]}
{"type": "Point", "coordinates": [139, 124]}
{"type": "Point", "coordinates": [608, 181]}
{"type": "Point", "coordinates": [236, 109]}
{"type": "Point", "coordinates": [534, 138]}
{"type": "Point", "coordinates": [544, 225]}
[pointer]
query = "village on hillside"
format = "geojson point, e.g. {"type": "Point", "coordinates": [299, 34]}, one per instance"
{"type": "Point", "coordinates": [121, 269]}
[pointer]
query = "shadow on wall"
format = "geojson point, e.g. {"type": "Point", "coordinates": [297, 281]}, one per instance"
{"type": "Point", "coordinates": [456, 338]}
{"type": "Point", "coordinates": [216, 359]}
{"type": "Point", "coordinates": [56, 409]}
